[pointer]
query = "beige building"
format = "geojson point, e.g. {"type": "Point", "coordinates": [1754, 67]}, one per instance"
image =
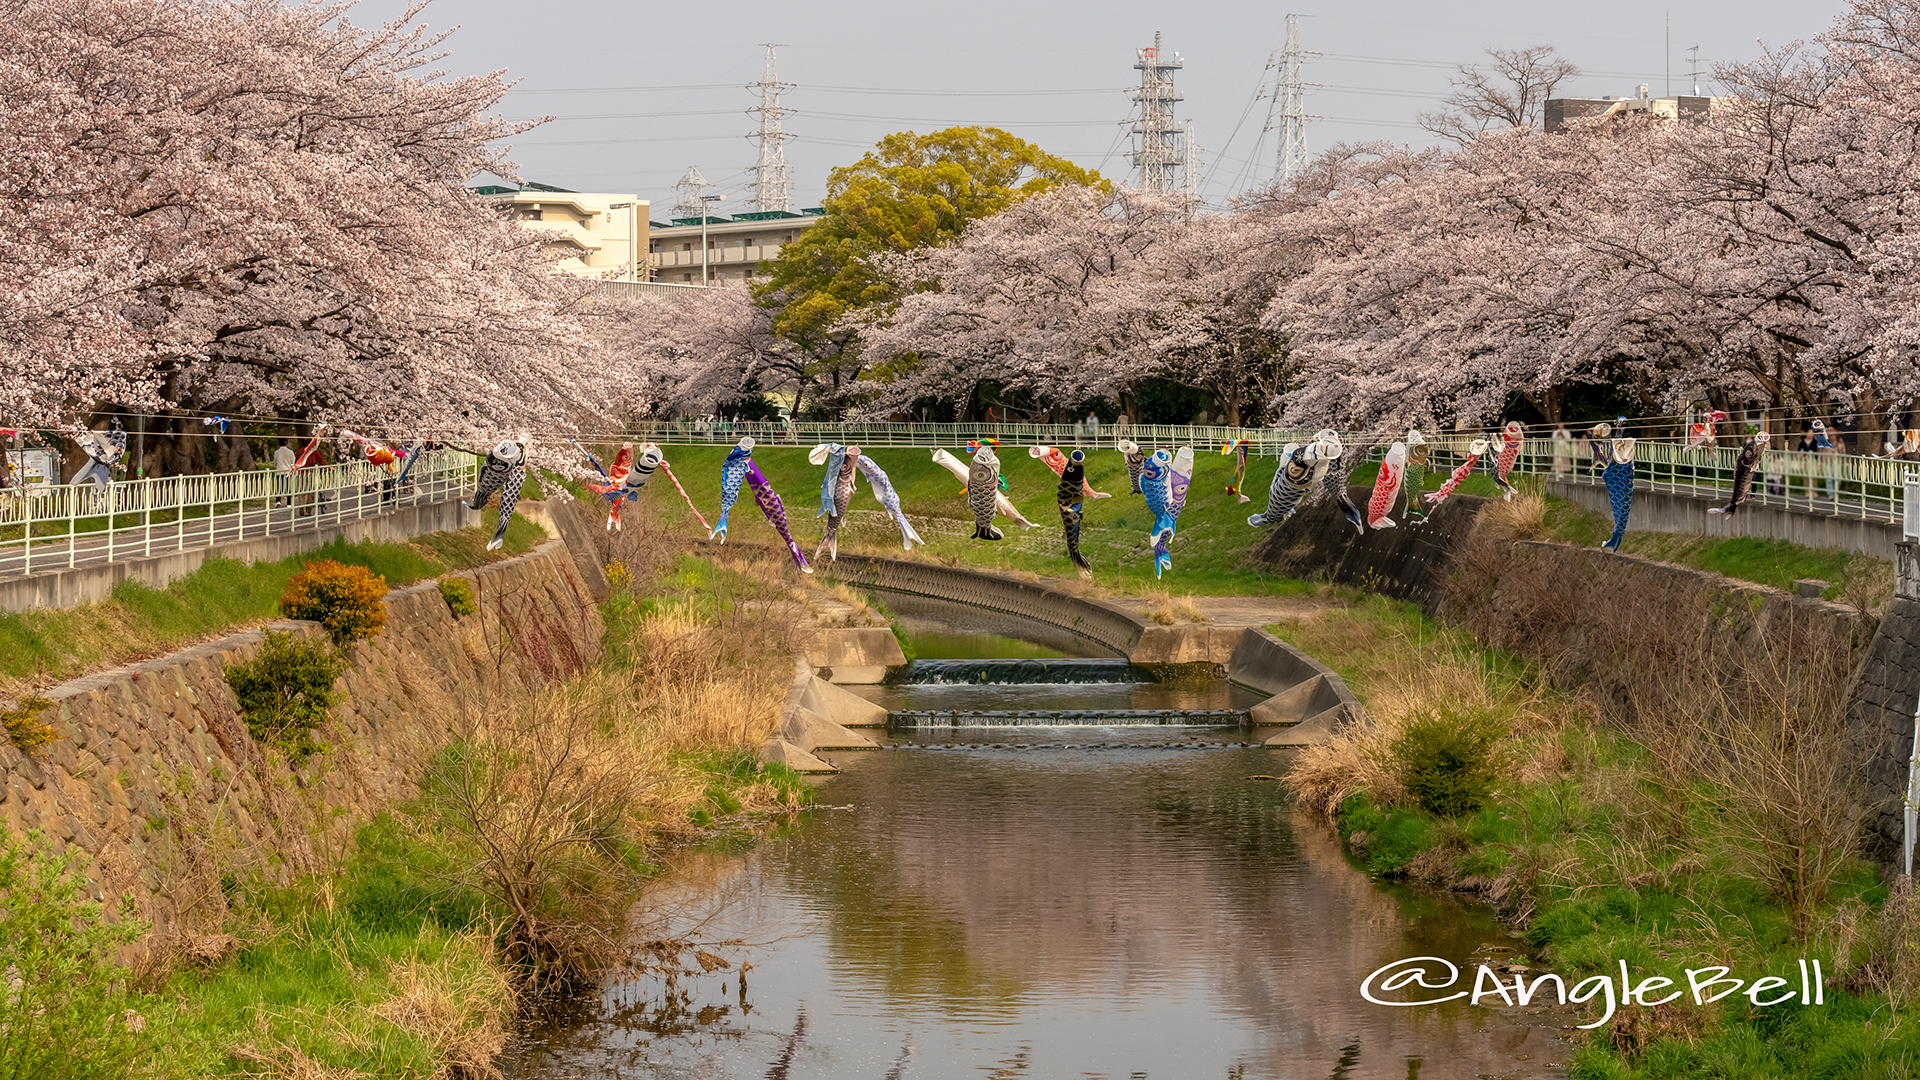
{"type": "Point", "coordinates": [731, 250]}
{"type": "Point", "coordinates": [594, 234]}
{"type": "Point", "coordinates": [1562, 111]}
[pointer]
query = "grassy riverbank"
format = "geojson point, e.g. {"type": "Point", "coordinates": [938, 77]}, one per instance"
{"type": "Point", "coordinates": [1657, 847]}
{"type": "Point", "coordinates": [1209, 549]}
{"type": "Point", "coordinates": [539, 822]}
{"type": "Point", "coordinates": [40, 648]}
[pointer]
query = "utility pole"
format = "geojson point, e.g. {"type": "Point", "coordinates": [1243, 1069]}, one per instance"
{"type": "Point", "coordinates": [706, 252]}
{"type": "Point", "coordinates": [1693, 68]}
{"type": "Point", "coordinates": [1291, 92]}
{"type": "Point", "coordinates": [633, 236]}
{"type": "Point", "coordinates": [773, 177]}
{"type": "Point", "coordinates": [1192, 170]}
{"type": "Point", "coordinates": [1154, 156]}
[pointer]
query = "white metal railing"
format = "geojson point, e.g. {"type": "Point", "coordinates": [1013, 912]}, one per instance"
{"type": "Point", "coordinates": [63, 526]}
{"type": "Point", "coordinates": [1911, 515]}
{"type": "Point", "coordinates": [1825, 484]}
{"type": "Point", "coordinates": [888, 434]}
{"type": "Point", "coordinates": [1829, 484]}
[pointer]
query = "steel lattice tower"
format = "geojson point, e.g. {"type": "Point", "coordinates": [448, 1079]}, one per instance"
{"type": "Point", "coordinates": [690, 187]}
{"type": "Point", "coordinates": [1156, 157]}
{"type": "Point", "coordinates": [773, 177]}
{"type": "Point", "coordinates": [1291, 96]}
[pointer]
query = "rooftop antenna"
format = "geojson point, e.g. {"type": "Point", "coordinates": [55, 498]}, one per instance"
{"type": "Point", "coordinates": [773, 177]}
{"type": "Point", "coordinates": [1291, 93]}
{"type": "Point", "coordinates": [1154, 156]}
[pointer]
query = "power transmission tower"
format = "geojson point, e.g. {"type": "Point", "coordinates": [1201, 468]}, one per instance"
{"type": "Point", "coordinates": [773, 177]}
{"type": "Point", "coordinates": [1291, 97]}
{"type": "Point", "coordinates": [691, 187]}
{"type": "Point", "coordinates": [1155, 158]}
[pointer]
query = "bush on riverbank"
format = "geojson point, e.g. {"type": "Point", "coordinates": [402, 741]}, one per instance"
{"type": "Point", "coordinates": [1716, 831]}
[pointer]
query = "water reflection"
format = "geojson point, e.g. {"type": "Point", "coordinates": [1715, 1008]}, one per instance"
{"type": "Point", "coordinates": [1141, 910]}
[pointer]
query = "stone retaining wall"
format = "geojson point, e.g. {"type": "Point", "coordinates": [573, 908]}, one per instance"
{"type": "Point", "coordinates": [157, 786]}
{"type": "Point", "coordinates": [1408, 562]}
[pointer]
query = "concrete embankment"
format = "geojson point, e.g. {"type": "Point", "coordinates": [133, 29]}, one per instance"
{"type": "Point", "coordinates": [157, 786]}
{"type": "Point", "coordinates": [1674, 512]}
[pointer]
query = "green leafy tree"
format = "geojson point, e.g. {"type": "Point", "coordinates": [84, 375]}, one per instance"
{"type": "Point", "coordinates": [910, 191]}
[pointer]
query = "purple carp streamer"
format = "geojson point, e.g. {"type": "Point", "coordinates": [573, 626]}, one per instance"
{"type": "Point", "coordinates": [883, 491]}
{"type": "Point", "coordinates": [1072, 477]}
{"type": "Point", "coordinates": [775, 510]}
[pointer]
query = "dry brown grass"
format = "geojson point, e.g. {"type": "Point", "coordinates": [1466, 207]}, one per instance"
{"type": "Point", "coordinates": [461, 1018]}
{"type": "Point", "coordinates": [1168, 610]}
{"type": "Point", "coordinates": [1401, 670]}
{"type": "Point", "coordinates": [1524, 517]}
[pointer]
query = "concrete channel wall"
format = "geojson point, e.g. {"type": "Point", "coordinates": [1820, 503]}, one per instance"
{"type": "Point", "coordinates": [1659, 511]}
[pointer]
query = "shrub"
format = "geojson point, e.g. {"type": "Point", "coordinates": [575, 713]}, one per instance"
{"type": "Point", "coordinates": [458, 593]}
{"type": "Point", "coordinates": [347, 600]}
{"type": "Point", "coordinates": [24, 725]}
{"type": "Point", "coordinates": [1448, 759]}
{"type": "Point", "coordinates": [60, 1014]}
{"type": "Point", "coordinates": [287, 691]}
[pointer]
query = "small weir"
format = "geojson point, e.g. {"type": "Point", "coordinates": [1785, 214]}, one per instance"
{"type": "Point", "coordinates": [929, 718]}
{"type": "Point", "coordinates": [1017, 672]}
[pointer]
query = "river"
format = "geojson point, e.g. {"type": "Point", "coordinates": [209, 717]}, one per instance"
{"type": "Point", "coordinates": [1074, 900]}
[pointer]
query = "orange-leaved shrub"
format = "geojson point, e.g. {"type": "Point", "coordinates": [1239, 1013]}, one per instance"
{"type": "Point", "coordinates": [347, 600]}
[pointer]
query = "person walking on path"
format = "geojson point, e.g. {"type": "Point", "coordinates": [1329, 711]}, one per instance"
{"type": "Point", "coordinates": [283, 474]}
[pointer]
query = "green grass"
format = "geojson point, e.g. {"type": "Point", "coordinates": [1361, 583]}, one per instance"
{"type": "Point", "coordinates": [1606, 861]}
{"type": "Point", "coordinates": [41, 647]}
{"type": "Point", "coordinates": [1209, 549]}
{"type": "Point", "coordinates": [1856, 577]}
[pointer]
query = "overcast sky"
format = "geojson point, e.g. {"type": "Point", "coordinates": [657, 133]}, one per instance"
{"type": "Point", "coordinates": [640, 90]}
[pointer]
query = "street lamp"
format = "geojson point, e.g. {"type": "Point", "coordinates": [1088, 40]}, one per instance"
{"type": "Point", "coordinates": [633, 237]}
{"type": "Point", "coordinates": [706, 254]}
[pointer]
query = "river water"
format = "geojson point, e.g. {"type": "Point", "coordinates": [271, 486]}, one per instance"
{"type": "Point", "coordinates": [1071, 900]}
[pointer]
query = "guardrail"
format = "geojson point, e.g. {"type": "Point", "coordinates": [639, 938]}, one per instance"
{"type": "Point", "coordinates": [63, 526]}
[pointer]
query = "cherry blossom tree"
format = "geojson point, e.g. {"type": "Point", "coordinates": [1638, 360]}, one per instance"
{"type": "Point", "coordinates": [261, 209]}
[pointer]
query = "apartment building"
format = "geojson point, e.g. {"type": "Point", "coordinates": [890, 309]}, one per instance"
{"type": "Point", "coordinates": [728, 249]}
{"type": "Point", "coordinates": [593, 234]}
